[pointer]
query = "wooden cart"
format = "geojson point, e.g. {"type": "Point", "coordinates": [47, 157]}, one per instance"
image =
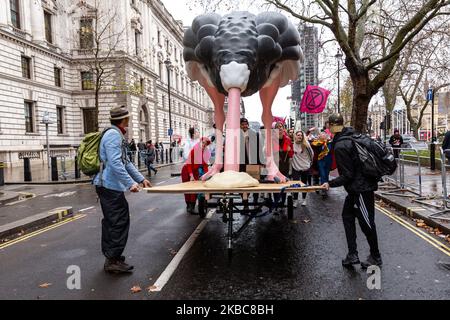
{"type": "Point", "coordinates": [228, 200]}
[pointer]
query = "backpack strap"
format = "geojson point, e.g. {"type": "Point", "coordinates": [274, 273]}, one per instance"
{"type": "Point", "coordinates": [100, 173]}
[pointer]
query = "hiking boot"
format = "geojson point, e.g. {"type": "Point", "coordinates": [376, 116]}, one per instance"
{"type": "Point", "coordinates": [350, 259]}
{"type": "Point", "coordinates": [372, 261]}
{"type": "Point", "coordinates": [117, 266]}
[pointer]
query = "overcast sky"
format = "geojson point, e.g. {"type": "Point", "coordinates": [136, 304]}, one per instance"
{"type": "Point", "coordinates": [180, 11]}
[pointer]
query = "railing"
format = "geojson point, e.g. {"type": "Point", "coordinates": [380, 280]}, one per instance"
{"type": "Point", "coordinates": [397, 183]}
{"type": "Point", "coordinates": [445, 197]}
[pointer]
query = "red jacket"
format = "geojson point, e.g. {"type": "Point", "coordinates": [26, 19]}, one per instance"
{"type": "Point", "coordinates": [196, 160]}
{"type": "Point", "coordinates": [285, 146]}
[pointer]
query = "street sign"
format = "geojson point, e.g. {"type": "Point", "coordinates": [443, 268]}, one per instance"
{"type": "Point", "coordinates": [430, 94]}
{"type": "Point", "coordinates": [170, 132]}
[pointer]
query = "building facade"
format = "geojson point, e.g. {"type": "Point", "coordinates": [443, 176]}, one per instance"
{"type": "Point", "coordinates": [49, 67]}
{"type": "Point", "coordinates": [309, 73]}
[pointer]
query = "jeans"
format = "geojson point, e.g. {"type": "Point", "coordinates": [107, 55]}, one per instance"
{"type": "Point", "coordinates": [303, 177]}
{"type": "Point", "coordinates": [324, 168]}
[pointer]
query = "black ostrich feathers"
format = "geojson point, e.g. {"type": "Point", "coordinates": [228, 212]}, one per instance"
{"type": "Point", "coordinates": [262, 42]}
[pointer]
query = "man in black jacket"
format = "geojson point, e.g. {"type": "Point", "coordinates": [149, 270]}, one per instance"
{"type": "Point", "coordinates": [360, 201]}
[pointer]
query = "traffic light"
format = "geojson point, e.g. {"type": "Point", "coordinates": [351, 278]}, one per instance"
{"type": "Point", "coordinates": [291, 123]}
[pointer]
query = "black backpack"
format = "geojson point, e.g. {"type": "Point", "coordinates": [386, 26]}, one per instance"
{"type": "Point", "coordinates": [376, 160]}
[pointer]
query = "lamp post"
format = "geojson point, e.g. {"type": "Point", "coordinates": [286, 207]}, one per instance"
{"type": "Point", "coordinates": [430, 97]}
{"type": "Point", "coordinates": [338, 57]}
{"type": "Point", "coordinates": [46, 121]}
{"type": "Point", "coordinates": [168, 64]}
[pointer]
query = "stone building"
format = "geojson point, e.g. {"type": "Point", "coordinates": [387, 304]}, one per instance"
{"type": "Point", "coordinates": [47, 68]}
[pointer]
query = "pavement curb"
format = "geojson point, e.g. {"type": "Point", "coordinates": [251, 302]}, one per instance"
{"type": "Point", "coordinates": [8, 197]}
{"type": "Point", "coordinates": [413, 211]}
{"type": "Point", "coordinates": [87, 180]}
{"type": "Point", "coordinates": [14, 229]}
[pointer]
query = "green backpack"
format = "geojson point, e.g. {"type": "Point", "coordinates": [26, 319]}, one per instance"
{"type": "Point", "coordinates": [88, 154]}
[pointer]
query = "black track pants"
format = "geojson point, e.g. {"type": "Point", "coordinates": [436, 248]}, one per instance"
{"type": "Point", "coordinates": [362, 207]}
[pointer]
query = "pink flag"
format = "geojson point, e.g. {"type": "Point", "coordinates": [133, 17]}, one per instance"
{"type": "Point", "coordinates": [279, 119]}
{"type": "Point", "coordinates": [314, 99]}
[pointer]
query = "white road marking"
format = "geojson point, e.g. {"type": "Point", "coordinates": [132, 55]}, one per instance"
{"type": "Point", "coordinates": [170, 269]}
{"type": "Point", "coordinates": [86, 209]}
{"type": "Point", "coordinates": [60, 195]}
{"type": "Point", "coordinates": [157, 184]}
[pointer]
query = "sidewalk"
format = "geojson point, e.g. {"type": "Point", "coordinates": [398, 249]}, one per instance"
{"type": "Point", "coordinates": [431, 182]}
{"type": "Point", "coordinates": [20, 214]}
{"type": "Point", "coordinates": [41, 174]}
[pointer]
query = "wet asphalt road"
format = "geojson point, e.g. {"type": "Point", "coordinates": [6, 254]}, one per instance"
{"type": "Point", "coordinates": [272, 259]}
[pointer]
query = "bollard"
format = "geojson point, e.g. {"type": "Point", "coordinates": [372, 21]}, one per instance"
{"type": "Point", "coordinates": [139, 159]}
{"type": "Point", "coordinates": [26, 169]}
{"type": "Point", "coordinates": [2, 173]}
{"type": "Point", "coordinates": [54, 162]}
{"type": "Point", "coordinates": [167, 156]}
{"type": "Point", "coordinates": [77, 170]}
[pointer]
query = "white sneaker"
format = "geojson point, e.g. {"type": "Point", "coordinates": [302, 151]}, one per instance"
{"type": "Point", "coordinates": [295, 204]}
{"type": "Point", "coordinates": [304, 203]}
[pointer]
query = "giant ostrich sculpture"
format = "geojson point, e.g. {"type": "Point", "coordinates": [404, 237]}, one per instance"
{"type": "Point", "coordinates": [240, 54]}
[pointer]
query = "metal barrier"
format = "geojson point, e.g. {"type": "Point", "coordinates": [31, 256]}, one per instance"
{"type": "Point", "coordinates": [64, 175]}
{"type": "Point", "coordinates": [445, 196]}
{"type": "Point", "coordinates": [397, 183]}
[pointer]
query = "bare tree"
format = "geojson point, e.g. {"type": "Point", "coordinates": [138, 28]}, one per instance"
{"type": "Point", "coordinates": [355, 26]}
{"type": "Point", "coordinates": [347, 100]}
{"type": "Point", "coordinates": [426, 56]}
{"type": "Point", "coordinates": [100, 37]}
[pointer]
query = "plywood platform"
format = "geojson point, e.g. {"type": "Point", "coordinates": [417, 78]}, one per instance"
{"type": "Point", "coordinates": [199, 187]}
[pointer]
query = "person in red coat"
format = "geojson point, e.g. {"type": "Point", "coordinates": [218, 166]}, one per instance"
{"type": "Point", "coordinates": [285, 150]}
{"type": "Point", "coordinates": [195, 166]}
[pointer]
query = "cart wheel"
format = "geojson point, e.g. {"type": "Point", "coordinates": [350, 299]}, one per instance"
{"type": "Point", "coordinates": [202, 206]}
{"type": "Point", "coordinates": [290, 209]}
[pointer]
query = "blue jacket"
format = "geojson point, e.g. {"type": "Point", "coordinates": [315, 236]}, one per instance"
{"type": "Point", "coordinates": [118, 172]}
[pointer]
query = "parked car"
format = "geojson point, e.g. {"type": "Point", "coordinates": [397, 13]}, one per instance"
{"type": "Point", "coordinates": [411, 142]}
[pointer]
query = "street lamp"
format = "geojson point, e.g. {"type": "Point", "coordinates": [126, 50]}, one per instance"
{"type": "Point", "coordinates": [46, 121]}
{"type": "Point", "coordinates": [338, 57]}
{"type": "Point", "coordinates": [430, 97]}
{"type": "Point", "coordinates": [168, 64]}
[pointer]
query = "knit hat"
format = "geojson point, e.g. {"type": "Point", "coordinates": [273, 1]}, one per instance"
{"type": "Point", "coordinates": [119, 113]}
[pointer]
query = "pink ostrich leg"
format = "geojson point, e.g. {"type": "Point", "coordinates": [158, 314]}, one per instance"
{"type": "Point", "coordinates": [232, 136]}
{"type": "Point", "coordinates": [218, 100]}
{"type": "Point", "coordinates": [267, 96]}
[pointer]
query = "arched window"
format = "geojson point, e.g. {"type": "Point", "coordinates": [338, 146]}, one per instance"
{"type": "Point", "coordinates": [144, 132]}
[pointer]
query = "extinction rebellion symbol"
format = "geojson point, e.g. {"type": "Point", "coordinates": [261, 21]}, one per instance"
{"type": "Point", "coordinates": [314, 99]}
